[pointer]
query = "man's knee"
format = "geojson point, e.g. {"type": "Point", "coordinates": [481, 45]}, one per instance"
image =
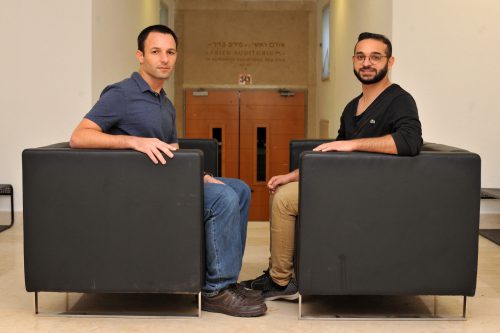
{"type": "Point", "coordinates": [228, 199]}
{"type": "Point", "coordinates": [285, 198]}
{"type": "Point", "coordinates": [220, 198]}
{"type": "Point", "coordinates": [241, 189]}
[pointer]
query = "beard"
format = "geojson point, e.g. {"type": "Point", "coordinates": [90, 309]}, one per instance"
{"type": "Point", "coordinates": [377, 78]}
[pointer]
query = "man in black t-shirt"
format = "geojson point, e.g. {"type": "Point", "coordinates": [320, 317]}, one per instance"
{"type": "Point", "coordinates": [383, 119]}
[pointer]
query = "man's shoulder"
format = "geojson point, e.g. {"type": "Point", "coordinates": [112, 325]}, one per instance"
{"type": "Point", "coordinates": [122, 87]}
{"type": "Point", "coordinates": [398, 100]}
{"type": "Point", "coordinates": [402, 98]}
{"type": "Point", "coordinates": [393, 95]}
{"type": "Point", "coordinates": [395, 90]}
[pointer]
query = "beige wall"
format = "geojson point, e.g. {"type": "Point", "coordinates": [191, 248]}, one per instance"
{"type": "Point", "coordinates": [169, 85]}
{"type": "Point", "coordinates": [348, 19]}
{"type": "Point", "coordinates": [446, 56]}
{"type": "Point", "coordinates": [46, 83]}
{"type": "Point", "coordinates": [115, 26]}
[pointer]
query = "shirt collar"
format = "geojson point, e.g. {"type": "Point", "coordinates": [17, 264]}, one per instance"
{"type": "Point", "coordinates": [143, 85]}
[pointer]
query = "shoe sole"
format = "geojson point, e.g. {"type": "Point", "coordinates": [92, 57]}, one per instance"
{"type": "Point", "coordinates": [290, 297]}
{"type": "Point", "coordinates": [250, 313]}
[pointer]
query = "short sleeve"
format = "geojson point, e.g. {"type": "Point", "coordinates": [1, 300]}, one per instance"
{"type": "Point", "coordinates": [109, 109]}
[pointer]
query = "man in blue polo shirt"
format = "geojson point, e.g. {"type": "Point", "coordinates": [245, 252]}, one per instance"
{"type": "Point", "coordinates": [136, 114]}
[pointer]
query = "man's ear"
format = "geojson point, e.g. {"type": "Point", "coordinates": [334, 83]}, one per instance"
{"type": "Point", "coordinates": [139, 56]}
{"type": "Point", "coordinates": [391, 61]}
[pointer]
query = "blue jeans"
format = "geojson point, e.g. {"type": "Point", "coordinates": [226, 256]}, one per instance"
{"type": "Point", "coordinates": [226, 218]}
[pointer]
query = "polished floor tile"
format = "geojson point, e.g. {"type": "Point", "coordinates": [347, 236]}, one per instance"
{"type": "Point", "coordinates": [16, 305]}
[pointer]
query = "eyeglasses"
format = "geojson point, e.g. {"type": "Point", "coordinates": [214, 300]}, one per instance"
{"type": "Point", "coordinates": [374, 58]}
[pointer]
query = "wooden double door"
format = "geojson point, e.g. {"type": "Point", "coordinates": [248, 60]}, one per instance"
{"type": "Point", "coordinates": [254, 129]}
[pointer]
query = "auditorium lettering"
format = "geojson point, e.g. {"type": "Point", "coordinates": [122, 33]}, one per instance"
{"type": "Point", "coordinates": [245, 53]}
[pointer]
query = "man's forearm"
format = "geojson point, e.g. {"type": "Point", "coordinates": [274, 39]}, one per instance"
{"type": "Point", "coordinates": [294, 175]}
{"type": "Point", "coordinates": [384, 145]}
{"type": "Point", "coordinates": [90, 138]}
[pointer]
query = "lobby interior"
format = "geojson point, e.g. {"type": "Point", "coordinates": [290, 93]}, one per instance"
{"type": "Point", "coordinates": [95, 42]}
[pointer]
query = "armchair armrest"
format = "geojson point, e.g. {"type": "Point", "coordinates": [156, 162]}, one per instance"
{"type": "Point", "coordinates": [297, 147]}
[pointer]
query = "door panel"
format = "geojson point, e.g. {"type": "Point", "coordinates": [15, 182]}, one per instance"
{"type": "Point", "coordinates": [215, 115]}
{"type": "Point", "coordinates": [254, 128]}
{"type": "Point", "coordinates": [283, 117]}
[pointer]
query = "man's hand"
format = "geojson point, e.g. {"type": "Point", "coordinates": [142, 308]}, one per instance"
{"type": "Point", "coordinates": [210, 179]}
{"type": "Point", "coordinates": [153, 148]}
{"type": "Point", "coordinates": [279, 180]}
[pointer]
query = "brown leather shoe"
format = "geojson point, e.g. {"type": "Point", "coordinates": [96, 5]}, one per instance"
{"type": "Point", "coordinates": [233, 301]}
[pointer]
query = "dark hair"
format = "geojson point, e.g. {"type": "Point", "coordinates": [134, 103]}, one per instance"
{"type": "Point", "coordinates": [379, 37]}
{"type": "Point", "coordinates": [154, 28]}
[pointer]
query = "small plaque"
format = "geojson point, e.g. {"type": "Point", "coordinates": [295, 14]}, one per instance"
{"type": "Point", "coordinates": [200, 93]}
{"type": "Point", "coordinates": [245, 79]}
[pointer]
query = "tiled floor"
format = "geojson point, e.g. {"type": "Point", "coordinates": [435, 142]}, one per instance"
{"type": "Point", "coordinates": [16, 305]}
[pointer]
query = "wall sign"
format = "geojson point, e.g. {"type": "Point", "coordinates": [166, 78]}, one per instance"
{"type": "Point", "coordinates": [245, 79]}
{"type": "Point", "coordinates": [245, 53]}
{"type": "Point", "coordinates": [272, 45]}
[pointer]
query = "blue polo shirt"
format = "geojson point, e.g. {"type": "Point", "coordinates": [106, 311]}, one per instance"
{"type": "Point", "coordinates": [131, 107]}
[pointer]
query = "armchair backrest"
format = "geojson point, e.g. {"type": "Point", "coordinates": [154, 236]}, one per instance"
{"type": "Point", "coordinates": [378, 224]}
{"type": "Point", "coordinates": [299, 146]}
{"type": "Point", "coordinates": [210, 150]}
{"type": "Point", "coordinates": [112, 221]}
{"type": "Point", "coordinates": [209, 147]}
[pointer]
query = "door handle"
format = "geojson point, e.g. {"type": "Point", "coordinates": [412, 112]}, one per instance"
{"type": "Point", "coordinates": [286, 93]}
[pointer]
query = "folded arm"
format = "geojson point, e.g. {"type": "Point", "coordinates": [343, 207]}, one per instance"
{"type": "Point", "coordinates": [89, 135]}
{"type": "Point", "coordinates": [384, 144]}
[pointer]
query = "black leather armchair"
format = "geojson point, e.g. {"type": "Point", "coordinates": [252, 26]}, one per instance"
{"type": "Point", "coordinates": [375, 224]}
{"type": "Point", "coordinates": [210, 150]}
{"type": "Point", "coordinates": [110, 221]}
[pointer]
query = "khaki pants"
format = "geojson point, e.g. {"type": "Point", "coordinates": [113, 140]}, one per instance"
{"type": "Point", "coordinates": [284, 208]}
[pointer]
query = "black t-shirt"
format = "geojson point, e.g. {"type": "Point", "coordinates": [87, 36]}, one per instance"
{"type": "Point", "coordinates": [393, 112]}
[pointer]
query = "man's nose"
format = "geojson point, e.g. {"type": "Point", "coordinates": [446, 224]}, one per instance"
{"type": "Point", "coordinates": [164, 57]}
{"type": "Point", "coordinates": [367, 62]}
